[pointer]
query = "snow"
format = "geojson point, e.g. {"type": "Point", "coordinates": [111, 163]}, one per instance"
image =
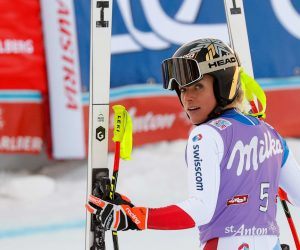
{"type": "Point", "coordinates": [47, 211]}
{"type": "Point", "coordinates": [27, 187]}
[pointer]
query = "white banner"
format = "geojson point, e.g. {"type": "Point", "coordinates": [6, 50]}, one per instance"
{"type": "Point", "coordinates": [64, 78]}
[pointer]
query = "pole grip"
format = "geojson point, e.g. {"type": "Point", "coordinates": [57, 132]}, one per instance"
{"type": "Point", "coordinates": [119, 122]}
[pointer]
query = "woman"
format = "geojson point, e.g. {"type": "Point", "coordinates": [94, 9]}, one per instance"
{"type": "Point", "coordinates": [236, 162]}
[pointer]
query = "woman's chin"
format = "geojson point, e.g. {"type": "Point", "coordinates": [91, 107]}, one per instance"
{"type": "Point", "coordinates": [197, 120]}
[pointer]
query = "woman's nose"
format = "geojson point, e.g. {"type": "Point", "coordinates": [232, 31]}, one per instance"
{"type": "Point", "coordinates": [188, 95]}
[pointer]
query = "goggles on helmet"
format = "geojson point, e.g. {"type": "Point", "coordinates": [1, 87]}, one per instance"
{"type": "Point", "coordinates": [180, 71]}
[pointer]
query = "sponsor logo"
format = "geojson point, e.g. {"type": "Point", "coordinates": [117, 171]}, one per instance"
{"type": "Point", "coordinates": [221, 123]}
{"type": "Point", "coordinates": [162, 23]}
{"type": "Point", "coordinates": [244, 246]}
{"type": "Point", "coordinates": [100, 118]}
{"type": "Point", "coordinates": [16, 46]}
{"type": "Point", "coordinates": [102, 5]}
{"type": "Point", "coordinates": [117, 123]}
{"type": "Point", "coordinates": [148, 121]}
{"type": "Point", "coordinates": [132, 216]}
{"type": "Point", "coordinates": [21, 143]}
{"type": "Point", "coordinates": [237, 200]}
{"type": "Point", "coordinates": [246, 231]}
{"type": "Point", "coordinates": [109, 220]}
{"type": "Point", "coordinates": [289, 18]}
{"type": "Point", "coordinates": [250, 155]}
{"type": "Point", "coordinates": [235, 10]}
{"type": "Point", "coordinates": [197, 165]}
{"type": "Point", "coordinates": [273, 227]}
{"type": "Point", "coordinates": [100, 133]}
{"type": "Point", "coordinates": [69, 71]}
{"type": "Point", "coordinates": [197, 138]}
{"type": "Point", "coordinates": [190, 55]}
{"type": "Point", "coordinates": [215, 47]}
{"type": "Point", "coordinates": [221, 62]}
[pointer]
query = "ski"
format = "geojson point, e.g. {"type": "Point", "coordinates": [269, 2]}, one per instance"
{"type": "Point", "coordinates": [238, 35]}
{"type": "Point", "coordinates": [98, 171]}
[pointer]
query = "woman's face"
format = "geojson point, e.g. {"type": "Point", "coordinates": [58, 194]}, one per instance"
{"type": "Point", "coordinates": [198, 99]}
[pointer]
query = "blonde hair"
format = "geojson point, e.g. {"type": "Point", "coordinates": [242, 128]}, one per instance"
{"type": "Point", "coordinates": [240, 102]}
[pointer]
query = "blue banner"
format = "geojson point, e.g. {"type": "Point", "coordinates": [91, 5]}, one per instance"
{"type": "Point", "coordinates": [145, 32]}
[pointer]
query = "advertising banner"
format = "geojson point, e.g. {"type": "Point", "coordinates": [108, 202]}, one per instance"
{"type": "Point", "coordinates": [64, 79]}
{"type": "Point", "coordinates": [147, 32]}
{"type": "Point", "coordinates": [21, 122]}
{"type": "Point", "coordinates": [22, 63]}
{"type": "Point", "coordinates": [22, 77]}
{"type": "Point", "coordinates": [283, 98]}
{"type": "Point", "coordinates": [157, 115]}
{"type": "Point", "coordinates": [144, 33]}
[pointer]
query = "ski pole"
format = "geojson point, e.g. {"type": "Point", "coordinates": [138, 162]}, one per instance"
{"type": "Point", "coordinates": [113, 188]}
{"type": "Point", "coordinates": [288, 215]}
{"type": "Point", "coordinates": [122, 134]}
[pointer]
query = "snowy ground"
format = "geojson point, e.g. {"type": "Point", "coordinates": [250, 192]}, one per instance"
{"type": "Point", "coordinates": [52, 217]}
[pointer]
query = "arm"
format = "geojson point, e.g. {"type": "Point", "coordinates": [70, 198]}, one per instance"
{"type": "Point", "coordinates": [203, 159]}
{"type": "Point", "coordinates": [204, 154]}
{"type": "Point", "coordinates": [289, 179]}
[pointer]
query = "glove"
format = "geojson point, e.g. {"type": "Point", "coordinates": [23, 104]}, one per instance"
{"type": "Point", "coordinates": [119, 214]}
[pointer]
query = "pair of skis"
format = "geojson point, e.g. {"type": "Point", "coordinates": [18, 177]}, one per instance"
{"type": "Point", "coordinates": [238, 36]}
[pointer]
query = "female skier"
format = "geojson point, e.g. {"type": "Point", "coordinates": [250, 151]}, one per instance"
{"type": "Point", "coordinates": [236, 162]}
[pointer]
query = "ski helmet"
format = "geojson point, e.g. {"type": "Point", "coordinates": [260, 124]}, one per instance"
{"type": "Point", "coordinates": [204, 56]}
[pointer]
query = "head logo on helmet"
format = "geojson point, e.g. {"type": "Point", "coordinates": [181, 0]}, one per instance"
{"type": "Point", "coordinates": [204, 56]}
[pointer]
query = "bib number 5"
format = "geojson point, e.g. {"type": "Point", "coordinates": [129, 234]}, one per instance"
{"type": "Point", "coordinates": [264, 195]}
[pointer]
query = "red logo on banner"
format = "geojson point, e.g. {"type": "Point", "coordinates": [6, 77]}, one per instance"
{"type": "Point", "coordinates": [68, 60]}
{"type": "Point", "coordinates": [21, 126]}
{"type": "Point", "coordinates": [22, 60]}
{"type": "Point", "coordinates": [16, 46]}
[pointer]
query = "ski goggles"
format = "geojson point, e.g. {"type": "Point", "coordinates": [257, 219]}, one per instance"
{"type": "Point", "coordinates": [179, 71]}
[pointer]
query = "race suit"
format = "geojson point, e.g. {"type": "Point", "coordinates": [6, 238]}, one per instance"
{"type": "Point", "coordinates": [235, 165]}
